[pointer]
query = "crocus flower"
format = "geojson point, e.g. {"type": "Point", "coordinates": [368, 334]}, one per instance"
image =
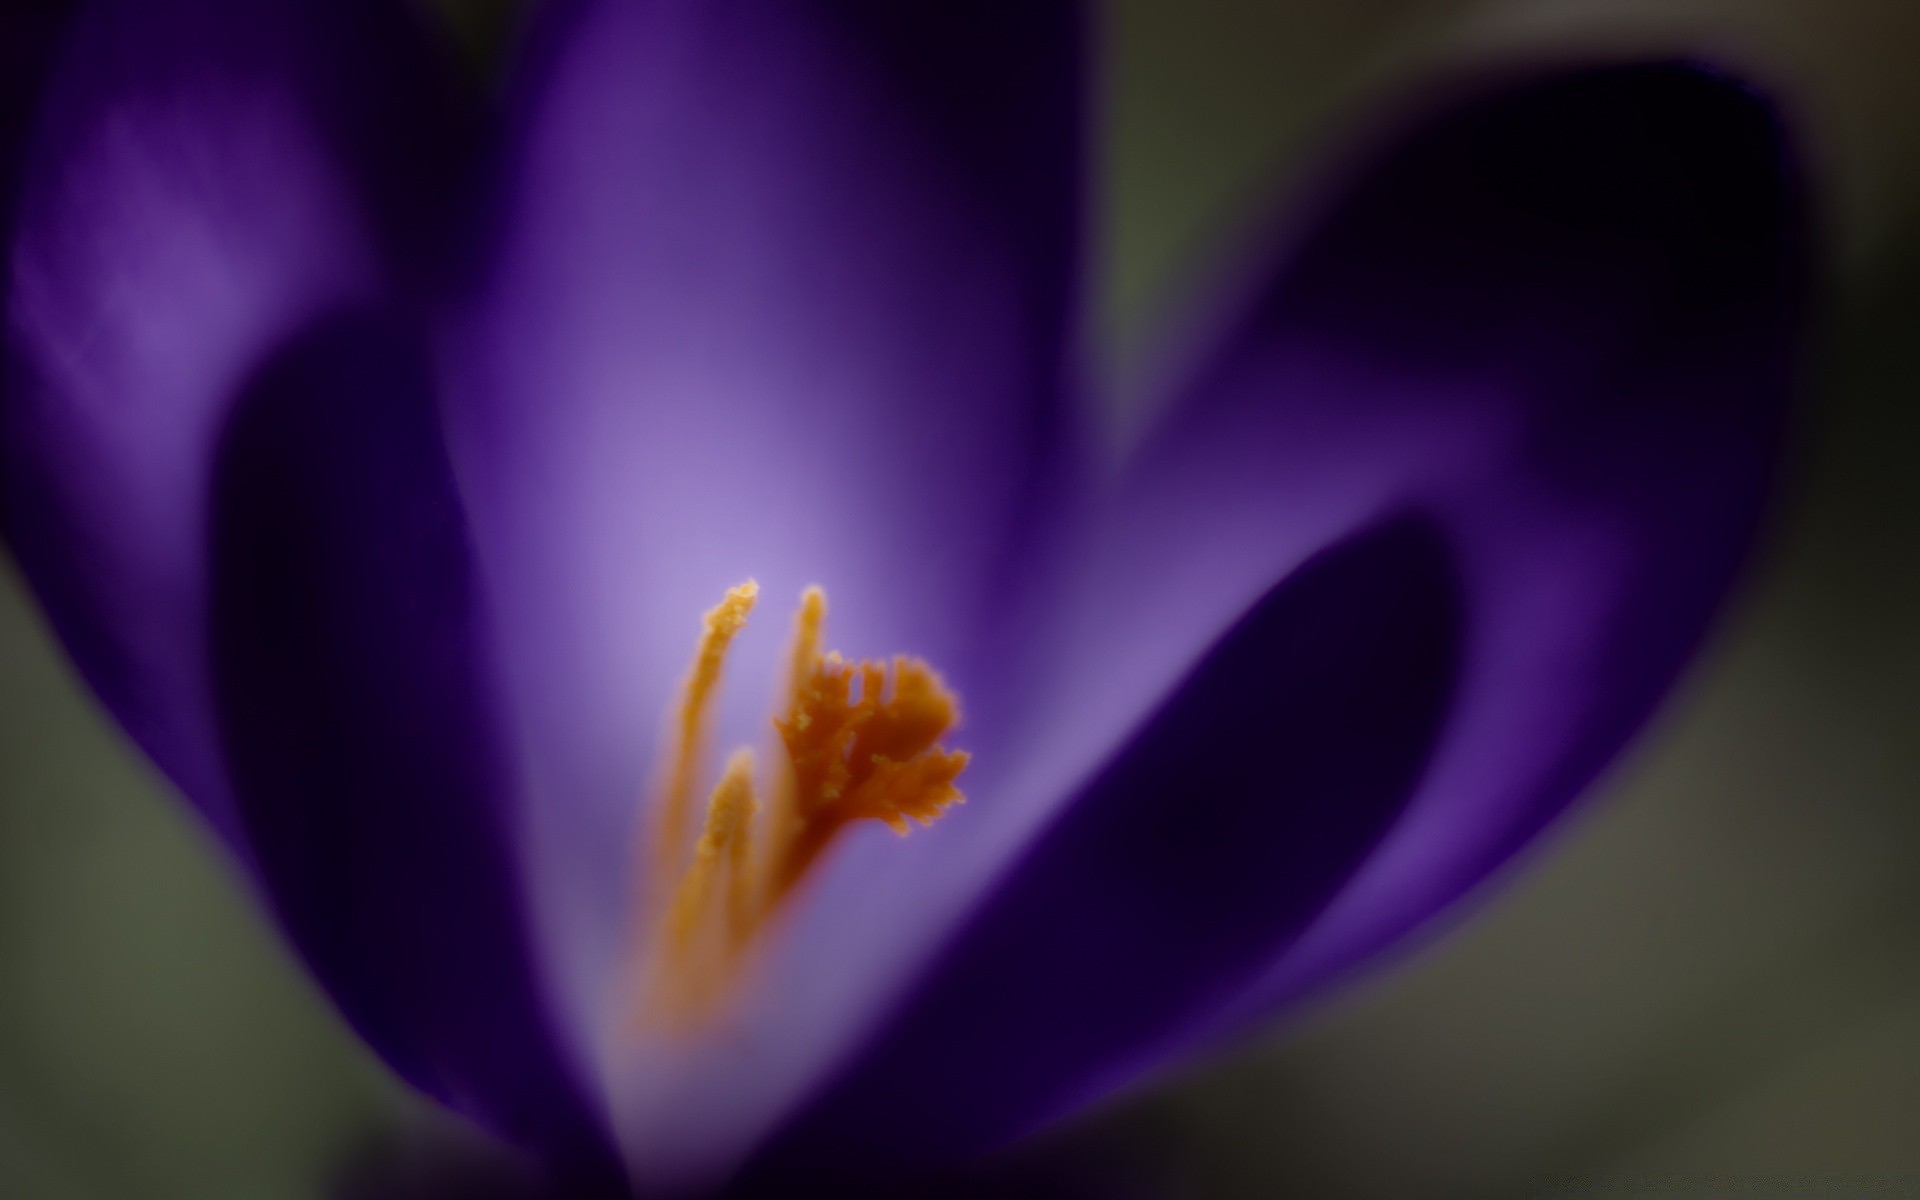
{"type": "Point", "coordinates": [376, 456]}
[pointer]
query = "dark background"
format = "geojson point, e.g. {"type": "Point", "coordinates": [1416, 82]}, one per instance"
{"type": "Point", "coordinates": [1704, 980]}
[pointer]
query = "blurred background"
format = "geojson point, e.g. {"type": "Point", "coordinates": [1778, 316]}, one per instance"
{"type": "Point", "coordinates": [1704, 983]}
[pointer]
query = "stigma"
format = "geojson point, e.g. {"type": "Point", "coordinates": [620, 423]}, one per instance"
{"type": "Point", "coordinates": [852, 742]}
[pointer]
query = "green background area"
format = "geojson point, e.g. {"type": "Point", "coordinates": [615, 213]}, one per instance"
{"type": "Point", "coordinates": [1706, 976]}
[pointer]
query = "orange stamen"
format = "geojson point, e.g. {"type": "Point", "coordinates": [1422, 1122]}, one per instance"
{"type": "Point", "coordinates": [870, 757]}
{"type": "Point", "coordinates": [860, 742]}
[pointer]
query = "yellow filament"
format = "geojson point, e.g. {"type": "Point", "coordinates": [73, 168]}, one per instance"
{"type": "Point", "coordinates": [711, 909]}
{"type": "Point", "coordinates": [860, 742]}
{"type": "Point", "coordinates": [719, 857]}
{"type": "Point", "coordinates": [721, 625]}
{"type": "Point", "coordinates": [809, 628]}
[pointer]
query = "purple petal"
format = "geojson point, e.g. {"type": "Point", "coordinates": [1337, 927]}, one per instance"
{"type": "Point", "coordinates": [356, 699]}
{"type": "Point", "coordinates": [779, 291]}
{"type": "Point", "coordinates": [207, 177]}
{"type": "Point", "coordinates": [214, 181]}
{"type": "Point", "coordinates": [1556, 320]}
{"type": "Point", "coordinates": [1640, 239]}
{"type": "Point", "coordinates": [1217, 834]}
{"type": "Point", "coordinates": [1564, 319]}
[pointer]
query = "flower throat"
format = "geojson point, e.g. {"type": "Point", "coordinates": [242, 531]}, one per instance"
{"type": "Point", "coordinates": [857, 742]}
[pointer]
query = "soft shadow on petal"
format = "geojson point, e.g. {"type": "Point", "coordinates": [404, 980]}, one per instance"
{"type": "Point", "coordinates": [1163, 888]}
{"type": "Point", "coordinates": [356, 701]}
{"type": "Point", "coordinates": [29, 32]}
{"type": "Point", "coordinates": [776, 290]}
{"type": "Point", "coordinates": [206, 177]}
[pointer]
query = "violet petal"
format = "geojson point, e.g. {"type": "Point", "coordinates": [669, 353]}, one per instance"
{"type": "Point", "coordinates": [207, 176]}
{"type": "Point", "coordinates": [1563, 317]}
{"type": "Point", "coordinates": [1621, 259]}
{"type": "Point", "coordinates": [212, 182]}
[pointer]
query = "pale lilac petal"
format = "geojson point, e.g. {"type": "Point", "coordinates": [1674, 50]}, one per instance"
{"type": "Point", "coordinates": [778, 290]}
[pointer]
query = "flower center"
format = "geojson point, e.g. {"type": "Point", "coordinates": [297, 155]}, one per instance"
{"type": "Point", "coordinates": [856, 742]}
